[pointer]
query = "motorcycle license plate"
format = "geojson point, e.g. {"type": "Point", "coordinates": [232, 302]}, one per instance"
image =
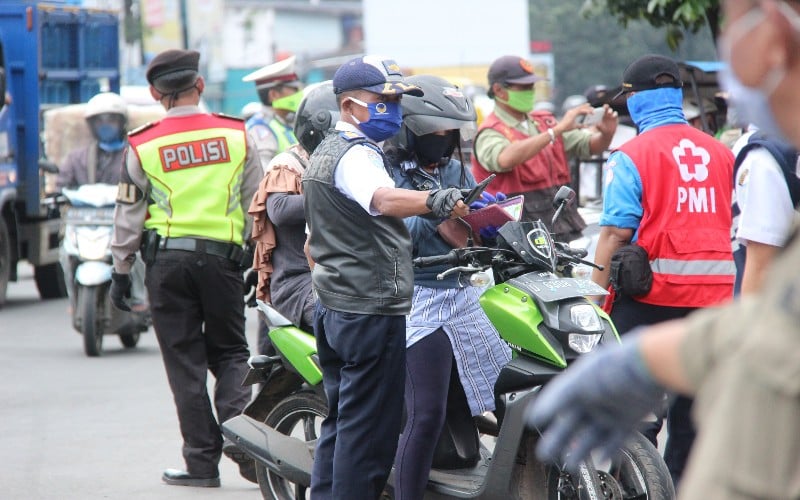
{"type": "Point", "coordinates": [548, 287]}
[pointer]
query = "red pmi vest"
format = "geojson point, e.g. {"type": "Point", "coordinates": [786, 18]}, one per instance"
{"type": "Point", "coordinates": [546, 169]}
{"type": "Point", "coordinates": [687, 181]}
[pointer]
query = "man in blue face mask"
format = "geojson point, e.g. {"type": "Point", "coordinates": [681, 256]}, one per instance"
{"type": "Point", "coordinates": [740, 362]}
{"type": "Point", "coordinates": [363, 277]}
{"type": "Point", "coordinates": [100, 161]}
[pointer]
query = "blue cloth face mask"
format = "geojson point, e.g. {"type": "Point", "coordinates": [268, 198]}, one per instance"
{"type": "Point", "coordinates": [385, 119]}
{"type": "Point", "coordinates": [752, 104]}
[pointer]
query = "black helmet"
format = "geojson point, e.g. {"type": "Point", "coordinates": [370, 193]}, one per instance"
{"type": "Point", "coordinates": [443, 107]}
{"type": "Point", "coordinates": [318, 113]}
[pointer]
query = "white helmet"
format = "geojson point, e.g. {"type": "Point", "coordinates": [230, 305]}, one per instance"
{"type": "Point", "coordinates": [106, 102]}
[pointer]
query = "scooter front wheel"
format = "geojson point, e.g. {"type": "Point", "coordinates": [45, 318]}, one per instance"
{"type": "Point", "coordinates": [91, 301]}
{"type": "Point", "coordinates": [298, 415]}
{"type": "Point", "coordinates": [532, 479]}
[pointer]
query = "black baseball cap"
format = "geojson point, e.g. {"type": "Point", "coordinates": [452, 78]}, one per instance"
{"type": "Point", "coordinates": [512, 69]}
{"type": "Point", "coordinates": [642, 74]}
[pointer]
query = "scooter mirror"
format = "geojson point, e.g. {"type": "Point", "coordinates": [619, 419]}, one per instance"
{"type": "Point", "coordinates": [564, 195]}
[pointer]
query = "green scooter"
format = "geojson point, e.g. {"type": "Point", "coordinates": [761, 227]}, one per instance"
{"type": "Point", "coordinates": [543, 314]}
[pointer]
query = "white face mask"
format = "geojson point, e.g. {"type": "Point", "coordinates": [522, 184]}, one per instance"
{"type": "Point", "coordinates": [752, 104]}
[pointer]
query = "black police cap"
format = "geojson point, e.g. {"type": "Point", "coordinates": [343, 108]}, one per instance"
{"type": "Point", "coordinates": [174, 62]}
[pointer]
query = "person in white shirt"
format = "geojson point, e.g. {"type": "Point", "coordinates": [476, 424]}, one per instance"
{"type": "Point", "coordinates": [766, 208]}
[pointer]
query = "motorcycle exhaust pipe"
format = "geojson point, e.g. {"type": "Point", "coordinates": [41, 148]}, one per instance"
{"type": "Point", "coordinates": [288, 457]}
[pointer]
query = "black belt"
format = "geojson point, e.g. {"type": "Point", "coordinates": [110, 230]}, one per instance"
{"type": "Point", "coordinates": [218, 248]}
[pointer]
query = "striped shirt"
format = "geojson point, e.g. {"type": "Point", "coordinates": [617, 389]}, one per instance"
{"type": "Point", "coordinates": [479, 351]}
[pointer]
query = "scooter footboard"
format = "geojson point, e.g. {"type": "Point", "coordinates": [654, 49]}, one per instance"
{"type": "Point", "coordinates": [264, 443]}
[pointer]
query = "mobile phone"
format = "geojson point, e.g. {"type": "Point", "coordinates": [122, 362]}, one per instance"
{"type": "Point", "coordinates": [475, 193]}
{"type": "Point", "coordinates": [593, 118]}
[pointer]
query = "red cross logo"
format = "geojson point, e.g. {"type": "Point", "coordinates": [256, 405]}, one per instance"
{"type": "Point", "coordinates": [692, 160]}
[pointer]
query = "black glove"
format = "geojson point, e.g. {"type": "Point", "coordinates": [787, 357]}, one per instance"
{"type": "Point", "coordinates": [595, 404]}
{"type": "Point", "coordinates": [441, 202]}
{"type": "Point", "coordinates": [250, 287]}
{"type": "Point", "coordinates": [120, 290]}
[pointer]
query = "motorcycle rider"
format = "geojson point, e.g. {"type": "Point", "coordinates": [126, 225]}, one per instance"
{"type": "Point", "coordinates": [100, 161]}
{"type": "Point", "coordinates": [106, 115]}
{"type": "Point", "coordinates": [446, 322]}
{"type": "Point", "coordinates": [271, 130]}
{"type": "Point", "coordinates": [284, 276]}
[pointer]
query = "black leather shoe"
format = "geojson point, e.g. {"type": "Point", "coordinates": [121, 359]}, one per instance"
{"type": "Point", "coordinates": [247, 466]}
{"type": "Point", "coordinates": [177, 477]}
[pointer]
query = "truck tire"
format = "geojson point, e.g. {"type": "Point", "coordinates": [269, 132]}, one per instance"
{"type": "Point", "coordinates": [5, 260]}
{"type": "Point", "coordinates": [50, 281]}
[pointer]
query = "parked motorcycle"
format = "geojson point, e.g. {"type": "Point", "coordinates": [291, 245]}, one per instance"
{"type": "Point", "coordinates": [541, 311]}
{"type": "Point", "coordinates": [86, 259]}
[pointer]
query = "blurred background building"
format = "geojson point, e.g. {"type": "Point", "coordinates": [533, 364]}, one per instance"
{"type": "Point", "coordinates": [455, 39]}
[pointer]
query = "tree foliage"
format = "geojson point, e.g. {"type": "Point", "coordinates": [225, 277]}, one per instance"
{"type": "Point", "coordinates": [676, 16]}
{"type": "Point", "coordinates": [594, 48]}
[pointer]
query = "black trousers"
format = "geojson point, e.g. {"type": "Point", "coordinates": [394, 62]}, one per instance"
{"type": "Point", "coordinates": [198, 315]}
{"type": "Point", "coordinates": [363, 370]}
{"type": "Point", "coordinates": [626, 315]}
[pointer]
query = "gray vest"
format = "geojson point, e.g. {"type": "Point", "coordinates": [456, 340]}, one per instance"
{"type": "Point", "coordinates": [362, 262]}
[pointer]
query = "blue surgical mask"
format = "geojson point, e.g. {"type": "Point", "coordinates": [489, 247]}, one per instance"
{"type": "Point", "coordinates": [109, 137]}
{"type": "Point", "coordinates": [752, 104]}
{"type": "Point", "coordinates": [385, 119]}
{"type": "Point", "coordinates": [107, 132]}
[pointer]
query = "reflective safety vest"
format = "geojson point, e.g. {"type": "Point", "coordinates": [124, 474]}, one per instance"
{"type": "Point", "coordinates": [546, 169]}
{"type": "Point", "coordinates": [283, 133]}
{"type": "Point", "coordinates": [195, 165]}
{"type": "Point", "coordinates": [687, 181]}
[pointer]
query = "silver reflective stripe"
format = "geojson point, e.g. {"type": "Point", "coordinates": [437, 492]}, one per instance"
{"type": "Point", "coordinates": [694, 267]}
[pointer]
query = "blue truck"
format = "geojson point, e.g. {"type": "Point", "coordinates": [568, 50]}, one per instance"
{"type": "Point", "coordinates": [51, 54]}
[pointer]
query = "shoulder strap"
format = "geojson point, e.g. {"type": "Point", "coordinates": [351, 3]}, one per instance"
{"type": "Point", "coordinates": [784, 154]}
{"type": "Point", "coordinates": [354, 139]}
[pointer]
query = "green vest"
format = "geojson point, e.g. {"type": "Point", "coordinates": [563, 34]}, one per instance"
{"type": "Point", "coordinates": [283, 133]}
{"type": "Point", "coordinates": [195, 165]}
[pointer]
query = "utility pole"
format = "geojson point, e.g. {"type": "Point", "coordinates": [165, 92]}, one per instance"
{"type": "Point", "coordinates": [184, 20]}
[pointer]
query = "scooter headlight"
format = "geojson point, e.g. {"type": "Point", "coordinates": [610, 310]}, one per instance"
{"type": "Point", "coordinates": [584, 317]}
{"type": "Point", "coordinates": [582, 342]}
{"type": "Point", "coordinates": [93, 243]}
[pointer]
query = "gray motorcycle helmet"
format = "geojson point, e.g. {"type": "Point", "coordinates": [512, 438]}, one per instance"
{"type": "Point", "coordinates": [318, 112]}
{"type": "Point", "coordinates": [443, 107]}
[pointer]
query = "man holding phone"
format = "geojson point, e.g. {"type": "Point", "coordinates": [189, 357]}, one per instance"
{"type": "Point", "coordinates": [528, 150]}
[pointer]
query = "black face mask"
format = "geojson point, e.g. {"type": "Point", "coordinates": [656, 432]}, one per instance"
{"type": "Point", "coordinates": [435, 149]}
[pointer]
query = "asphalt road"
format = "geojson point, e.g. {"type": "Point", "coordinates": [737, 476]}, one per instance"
{"type": "Point", "coordinates": [75, 427]}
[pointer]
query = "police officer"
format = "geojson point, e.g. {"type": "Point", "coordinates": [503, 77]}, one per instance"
{"type": "Point", "coordinates": [185, 187]}
{"type": "Point", "coordinates": [279, 91]}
